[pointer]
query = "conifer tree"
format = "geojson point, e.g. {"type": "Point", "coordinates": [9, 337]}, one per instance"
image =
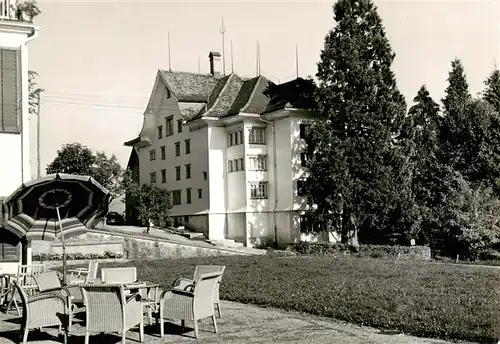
{"type": "Point", "coordinates": [356, 173]}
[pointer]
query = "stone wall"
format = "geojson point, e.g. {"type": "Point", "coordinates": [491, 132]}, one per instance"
{"type": "Point", "coordinates": [132, 247]}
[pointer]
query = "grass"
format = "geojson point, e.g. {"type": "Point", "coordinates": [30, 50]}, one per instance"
{"type": "Point", "coordinates": [424, 299]}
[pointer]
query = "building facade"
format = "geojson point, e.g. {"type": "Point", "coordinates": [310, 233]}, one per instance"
{"type": "Point", "coordinates": [16, 126]}
{"type": "Point", "coordinates": [230, 151]}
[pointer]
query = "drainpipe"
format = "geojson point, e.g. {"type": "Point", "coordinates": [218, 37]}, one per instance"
{"type": "Point", "coordinates": [275, 172]}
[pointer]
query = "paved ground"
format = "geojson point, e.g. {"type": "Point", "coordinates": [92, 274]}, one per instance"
{"type": "Point", "coordinates": [240, 324]}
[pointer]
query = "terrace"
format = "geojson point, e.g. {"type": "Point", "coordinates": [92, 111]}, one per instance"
{"type": "Point", "coordinates": [23, 12]}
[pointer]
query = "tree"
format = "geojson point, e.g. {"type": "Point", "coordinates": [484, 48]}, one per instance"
{"type": "Point", "coordinates": [33, 93]}
{"type": "Point", "coordinates": [452, 136]}
{"type": "Point", "coordinates": [419, 136]}
{"type": "Point", "coordinates": [75, 158]}
{"type": "Point", "coordinates": [492, 92]}
{"type": "Point", "coordinates": [356, 171]}
{"type": "Point", "coordinates": [152, 203]}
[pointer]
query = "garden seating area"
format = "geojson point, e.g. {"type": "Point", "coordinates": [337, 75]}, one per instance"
{"type": "Point", "coordinates": [115, 302]}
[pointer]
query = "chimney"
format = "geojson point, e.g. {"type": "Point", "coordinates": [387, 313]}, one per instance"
{"type": "Point", "coordinates": [215, 62]}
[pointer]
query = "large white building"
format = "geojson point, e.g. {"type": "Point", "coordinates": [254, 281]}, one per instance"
{"type": "Point", "coordinates": [230, 151]}
{"type": "Point", "coordinates": [17, 127]}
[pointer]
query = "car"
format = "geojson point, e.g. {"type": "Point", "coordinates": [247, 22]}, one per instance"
{"type": "Point", "coordinates": [114, 218]}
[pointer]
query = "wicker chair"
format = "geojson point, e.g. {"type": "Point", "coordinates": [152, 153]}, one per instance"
{"type": "Point", "coordinates": [25, 277]}
{"type": "Point", "coordinates": [42, 310]}
{"type": "Point", "coordinates": [119, 275]}
{"type": "Point", "coordinates": [49, 282]}
{"type": "Point", "coordinates": [110, 310]}
{"type": "Point", "coordinates": [82, 275]}
{"type": "Point", "coordinates": [196, 304]}
{"type": "Point", "coordinates": [185, 283]}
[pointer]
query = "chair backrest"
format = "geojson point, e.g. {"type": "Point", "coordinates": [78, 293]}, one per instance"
{"type": "Point", "coordinates": [203, 269]}
{"type": "Point", "coordinates": [104, 307]}
{"type": "Point", "coordinates": [205, 285]}
{"type": "Point", "coordinates": [119, 275]}
{"type": "Point", "coordinates": [26, 273]}
{"type": "Point", "coordinates": [92, 271]}
{"type": "Point", "coordinates": [48, 280]}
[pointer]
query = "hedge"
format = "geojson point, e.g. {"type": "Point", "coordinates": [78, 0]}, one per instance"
{"type": "Point", "coordinates": [76, 256]}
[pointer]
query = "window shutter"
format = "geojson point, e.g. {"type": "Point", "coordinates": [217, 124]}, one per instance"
{"type": "Point", "coordinates": [9, 97]}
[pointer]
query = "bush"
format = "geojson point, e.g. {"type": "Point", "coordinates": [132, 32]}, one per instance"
{"type": "Point", "coordinates": [76, 256]}
{"type": "Point", "coordinates": [372, 251]}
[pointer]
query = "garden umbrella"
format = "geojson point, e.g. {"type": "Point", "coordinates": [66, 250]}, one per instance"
{"type": "Point", "coordinates": [58, 205]}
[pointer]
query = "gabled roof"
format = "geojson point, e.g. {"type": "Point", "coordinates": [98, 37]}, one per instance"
{"type": "Point", "coordinates": [298, 93]}
{"type": "Point", "coordinates": [189, 87]}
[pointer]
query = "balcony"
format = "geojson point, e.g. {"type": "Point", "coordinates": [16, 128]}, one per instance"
{"type": "Point", "coordinates": [6, 12]}
{"type": "Point", "coordinates": [23, 12]}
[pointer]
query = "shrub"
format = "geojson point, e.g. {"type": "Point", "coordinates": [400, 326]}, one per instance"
{"type": "Point", "coordinates": [76, 256]}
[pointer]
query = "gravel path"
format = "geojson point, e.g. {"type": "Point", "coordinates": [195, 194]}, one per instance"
{"type": "Point", "coordinates": [240, 324]}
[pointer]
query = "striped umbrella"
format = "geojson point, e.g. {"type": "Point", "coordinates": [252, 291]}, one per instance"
{"type": "Point", "coordinates": [58, 205]}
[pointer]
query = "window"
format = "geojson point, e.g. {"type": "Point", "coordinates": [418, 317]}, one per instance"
{"type": "Point", "coordinates": [160, 131]}
{"type": "Point", "coordinates": [8, 253]}
{"type": "Point", "coordinates": [176, 197]}
{"type": "Point", "coordinates": [152, 155]}
{"type": "Point", "coordinates": [152, 177]}
{"type": "Point", "coordinates": [9, 91]}
{"type": "Point", "coordinates": [169, 126]}
{"type": "Point", "coordinates": [187, 146]}
{"type": "Point", "coordinates": [205, 175]}
{"type": "Point", "coordinates": [188, 196]}
{"type": "Point", "coordinates": [301, 188]}
{"type": "Point", "coordinates": [179, 126]}
{"type": "Point", "coordinates": [188, 171]}
{"type": "Point", "coordinates": [306, 225]}
{"type": "Point", "coordinates": [235, 138]}
{"type": "Point", "coordinates": [303, 159]}
{"type": "Point", "coordinates": [177, 173]}
{"type": "Point", "coordinates": [258, 163]}
{"type": "Point", "coordinates": [258, 190]}
{"type": "Point", "coordinates": [162, 153]}
{"type": "Point", "coordinates": [177, 148]}
{"type": "Point", "coordinates": [164, 176]}
{"type": "Point", "coordinates": [257, 136]}
{"type": "Point", "coordinates": [236, 165]}
{"type": "Point", "coordinates": [200, 194]}
{"type": "Point", "coordinates": [303, 127]}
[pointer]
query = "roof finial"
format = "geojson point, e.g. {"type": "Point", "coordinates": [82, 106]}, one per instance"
{"type": "Point", "coordinates": [232, 66]}
{"type": "Point", "coordinates": [297, 60]}
{"type": "Point", "coordinates": [198, 64]}
{"type": "Point", "coordinates": [169, 69]}
{"type": "Point", "coordinates": [222, 31]}
{"type": "Point", "coordinates": [258, 59]}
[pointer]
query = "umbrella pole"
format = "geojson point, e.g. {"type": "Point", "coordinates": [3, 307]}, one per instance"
{"type": "Point", "coordinates": [63, 246]}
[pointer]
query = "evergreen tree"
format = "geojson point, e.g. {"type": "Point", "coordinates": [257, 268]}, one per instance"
{"type": "Point", "coordinates": [452, 136]}
{"type": "Point", "coordinates": [356, 172]}
{"type": "Point", "coordinates": [492, 92]}
{"type": "Point", "coordinates": [419, 136]}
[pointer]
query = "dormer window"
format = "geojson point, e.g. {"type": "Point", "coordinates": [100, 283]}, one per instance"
{"type": "Point", "coordinates": [167, 93]}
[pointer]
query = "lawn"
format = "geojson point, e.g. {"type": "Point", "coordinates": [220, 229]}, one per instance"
{"type": "Point", "coordinates": [424, 299]}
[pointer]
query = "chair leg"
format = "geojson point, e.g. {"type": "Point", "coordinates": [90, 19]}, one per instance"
{"type": "Point", "coordinates": [141, 331]}
{"type": "Point", "coordinates": [87, 335]}
{"type": "Point", "coordinates": [215, 323]}
{"type": "Point", "coordinates": [183, 324]}
{"type": "Point", "coordinates": [25, 335]}
{"type": "Point", "coordinates": [65, 336]}
{"type": "Point", "coordinates": [218, 309]}
{"type": "Point", "coordinates": [160, 320]}
{"type": "Point", "coordinates": [195, 328]}
{"type": "Point", "coordinates": [150, 315]}
{"type": "Point", "coordinates": [124, 337]}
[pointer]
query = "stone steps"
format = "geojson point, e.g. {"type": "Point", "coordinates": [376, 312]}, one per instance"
{"type": "Point", "coordinates": [225, 243]}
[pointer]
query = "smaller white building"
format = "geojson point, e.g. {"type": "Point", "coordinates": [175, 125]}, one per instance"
{"type": "Point", "coordinates": [16, 125]}
{"type": "Point", "coordinates": [230, 151]}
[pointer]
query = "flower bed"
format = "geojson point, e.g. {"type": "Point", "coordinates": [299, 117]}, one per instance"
{"type": "Point", "coordinates": [75, 256]}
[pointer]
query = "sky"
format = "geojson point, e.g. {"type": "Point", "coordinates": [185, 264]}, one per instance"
{"type": "Point", "coordinates": [97, 61]}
